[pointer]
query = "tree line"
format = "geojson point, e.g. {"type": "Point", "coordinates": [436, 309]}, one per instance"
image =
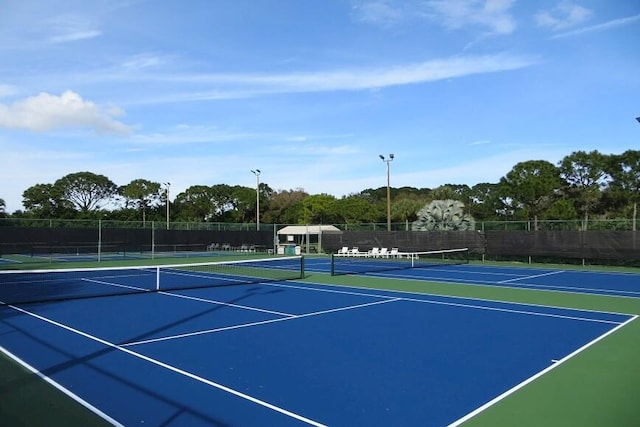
{"type": "Point", "coordinates": [582, 186]}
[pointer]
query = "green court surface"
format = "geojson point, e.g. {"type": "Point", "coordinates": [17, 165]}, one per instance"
{"type": "Point", "coordinates": [26, 400]}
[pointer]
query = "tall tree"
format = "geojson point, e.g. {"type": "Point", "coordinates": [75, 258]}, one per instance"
{"type": "Point", "coordinates": [355, 209]}
{"type": "Point", "coordinates": [406, 210]}
{"type": "Point", "coordinates": [485, 201]}
{"type": "Point", "coordinates": [624, 170]}
{"type": "Point", "coordinates": [243, 202]}
{"type": "Point", "coordinates": [285, 206]}
{"type": "Point", "coordinates": [448, 192]}
{"type": "Point", "coordinates": [46, 201]}
{"type": "Point", "coordinates": [196, 203]}
{"type": "Point", "coordinates": [319, 209]}
{"type": "Point", "coordinates": [585, 176]}
{"type": "Point", "coordinates": [86, 190]}
{"type": "Point", "coordinates": [141, 194]}
{"type": "Point", "coordinates": [533, 185]}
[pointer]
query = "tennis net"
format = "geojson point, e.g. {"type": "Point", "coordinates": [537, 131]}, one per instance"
{"type": "Point", "coordinates": [27, 286]}
{"type": "Point", "coordinates": [366, 262]}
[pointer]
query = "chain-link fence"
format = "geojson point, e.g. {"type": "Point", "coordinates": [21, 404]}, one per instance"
{"type": "Point", "coordinates": [25, 241]}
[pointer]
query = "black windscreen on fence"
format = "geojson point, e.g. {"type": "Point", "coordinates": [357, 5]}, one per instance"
{"type": "Point", "coordinates": [35, 244]}
{"type": "Point", "coordinates": [623, 245]}
{"type": "Point", "coordinates": [406, 241]}
{"type": "Point", "coordinates": [39, 244]}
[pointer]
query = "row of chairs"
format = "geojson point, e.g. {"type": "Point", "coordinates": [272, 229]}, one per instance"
{"type": "Point", "coordinates": [374, 252]}
{"type": "Point", "coordinates": [227, 247]}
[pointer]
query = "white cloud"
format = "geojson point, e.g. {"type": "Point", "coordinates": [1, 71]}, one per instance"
{"type": "Point", "coordinates": [68, 28]}
{"type": "Point", "coordinates": [380, 12]}
{"type": "Point", "coordinates": [491, 14]}
{"type": "Point", "coordinates": [45, 112]}
{"type": "Point", "coordinates": [599, 27]}
{"type": "Point", "coordinates": [237, 86]}
{"type": "Point", "coordinates": [481, 142]}
{"type": "Point", "coordinates": [452, 14]}
{"type": "Point", "coordinates": [564, 15]}
{"type": "Point", "coordinates": [140, 61]}
{"type": "Point", "coordinates": [8, 90]}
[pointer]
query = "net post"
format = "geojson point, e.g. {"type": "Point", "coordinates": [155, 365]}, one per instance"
{"type": "Point", "coordinates": [302, 266]}
{"type": "Point", "coordinates": [157, 278]}
{"type": "Point", "coordinates": [333, 270]}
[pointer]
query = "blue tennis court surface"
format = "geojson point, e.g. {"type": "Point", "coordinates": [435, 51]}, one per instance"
{"type": "Point", "coordinates": [579, 281]}
{"type": "Point", "coordinates": [293, 353]}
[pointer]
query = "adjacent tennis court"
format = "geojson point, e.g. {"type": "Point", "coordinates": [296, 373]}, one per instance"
{"type": "Point", "coordinates": [179, 346]}
{"type": "Point", "coordinates": [453, 267]}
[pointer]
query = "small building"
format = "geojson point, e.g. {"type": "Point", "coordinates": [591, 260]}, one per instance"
{"type": "Point", "coordinates": [297, 239]}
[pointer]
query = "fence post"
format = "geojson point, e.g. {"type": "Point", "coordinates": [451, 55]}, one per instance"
{"type": "Point", "coordinates": [153, 240]}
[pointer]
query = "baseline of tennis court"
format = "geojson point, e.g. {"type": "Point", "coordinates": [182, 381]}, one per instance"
{"type": "Point", "coordinates": [293, 353]}
{"type": "Point", "coordinates": [550, 279]}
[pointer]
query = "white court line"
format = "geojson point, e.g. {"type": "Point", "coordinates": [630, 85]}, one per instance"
{"type": "Point", "coordinates": [510, 310]}
{"type": "Point", "coordinates": [532, 276]}
{"type": "Point", "coordinates": [425, 294]}
{"type": "Point", "coordinates": [61, 388]}
{"type": "Point", "coordinates": [262, 322]}
{"type": "Point", "coordinates": [613, 293]}
{"type": "Point", "coordinates": [244, 307]}
{"type": "Point", "coordinates": [574, 289]}
{"type": "Point", "coordinates": [536, 376]}
{"type": "Point", "coordinates": [333, 291]}
{"type": "Point", "coordinates": [174, 369]}
{"type": "Point", "coordinates": [100, 282]}
{"type": "Point", "coordinates": [474, 306]}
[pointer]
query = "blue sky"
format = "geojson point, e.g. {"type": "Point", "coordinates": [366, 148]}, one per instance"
{"type": "Point", "coordinates": [199, 92]}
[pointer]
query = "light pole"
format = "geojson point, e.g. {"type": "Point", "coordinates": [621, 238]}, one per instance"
{"type": "Point", "coordinates": [167, 185]}
{"type": "Point", "coordinates": [387, 160]}
{"type": "Point", "coordinates": [257, 174]}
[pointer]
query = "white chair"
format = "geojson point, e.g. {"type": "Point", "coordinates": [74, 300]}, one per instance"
{"type": "Point", "coordinates": [384, 253]}
{"type": "Point", "coordinates": [354, 251]}
{"type": "Point", "coordinates": [394, 253]}
{"type": "Point", "coordinates": [343, 251]}
{"type": "Point", "coordinates": [374, 252]}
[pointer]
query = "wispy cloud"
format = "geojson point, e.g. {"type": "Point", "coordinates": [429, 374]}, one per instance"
{"type": "Point", "coordinates": [565, 15]}
{"type": "Point", "coordinates": [237, 86]}
{"type": "Point", "coordinates": [69, 28]}
{"type": "Point", "coordinates": [142, 61]}
{"type": "Point", "coordinates": [383, 13]}
{"type": "Point", "coordinates": [45, 112]}
{"type": "Point", "coordinates": [492, 15]}
{"type": "Point", "coordinates": [185, 134]}
{"type": "Point", "coordinates": [599, 27]}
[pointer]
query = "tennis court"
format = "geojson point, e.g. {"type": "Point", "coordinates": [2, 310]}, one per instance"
{"type": "Point", "coordinates": [277, 350]}
{"type": "Point", "coordinates": [87, 256]}
{"type": "Point", "coordinates": [458, 270]}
